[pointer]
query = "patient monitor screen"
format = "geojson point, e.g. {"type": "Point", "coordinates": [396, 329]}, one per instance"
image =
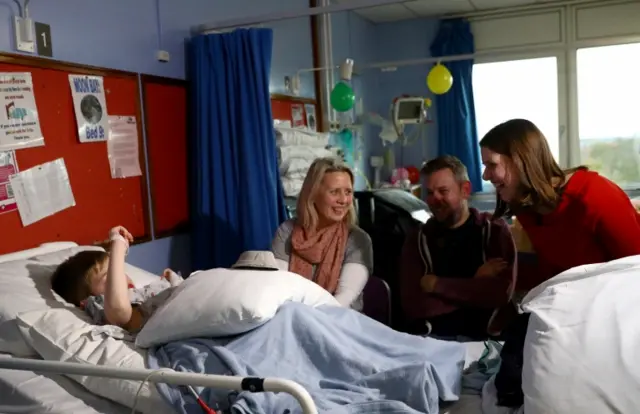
{"type": "Point", "coordinates": [409, 110]}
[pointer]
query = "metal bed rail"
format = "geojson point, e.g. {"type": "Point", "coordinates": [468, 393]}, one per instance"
{"type": "Point", "coordinates": [236, 383]}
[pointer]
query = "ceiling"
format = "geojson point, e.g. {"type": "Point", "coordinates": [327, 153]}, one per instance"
{"type": "Point", "coordinates": [428, 8]}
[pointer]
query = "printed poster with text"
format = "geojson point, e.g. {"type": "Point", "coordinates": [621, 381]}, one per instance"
{"type": "Point", "coordinates": [122, 147]}
{"type": "Point", "coordinates": [19, 124]}
{"type": "Point", "coordinates": [8, 167]}
{"type": "Point", "coordinates": [90, 106]}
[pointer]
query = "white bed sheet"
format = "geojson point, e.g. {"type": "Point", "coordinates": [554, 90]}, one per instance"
{"type": "Point", "coordinates": [31, 393]}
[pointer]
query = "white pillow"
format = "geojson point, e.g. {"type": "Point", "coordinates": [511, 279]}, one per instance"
{"type": "Point", "coordinates": [222, 302]}
{"type": "Point", "coordinates": [42, 249]}
{"type": "Point", "coordinates": [25, 286]}
{"type": "Point", "coordinates": [581, 351]}
{"type": "Point", "coordinates": [67, 335]}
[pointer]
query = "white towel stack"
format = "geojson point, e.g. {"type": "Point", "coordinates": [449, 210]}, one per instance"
{"type": "Point", "coordinates": [297, 149]}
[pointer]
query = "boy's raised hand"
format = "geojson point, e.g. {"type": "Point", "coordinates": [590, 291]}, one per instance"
{"type": "Point", "coordinates": [120, 231]}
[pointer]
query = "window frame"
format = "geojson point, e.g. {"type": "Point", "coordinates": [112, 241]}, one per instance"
{"type": "Point", "coordinates": [572, 73]}
{"type": "Point", "coordinates": [563, 117]}
{"type": "Point", "coordinates": [568, 101]}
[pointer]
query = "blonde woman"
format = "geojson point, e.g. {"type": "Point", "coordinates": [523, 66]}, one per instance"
{"type": "Point", "coordinates": [323, 243]}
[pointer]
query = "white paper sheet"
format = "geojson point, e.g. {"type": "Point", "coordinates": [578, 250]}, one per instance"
{"type": "Point", "coordinates": [42, 191]}
{"type": "Point", "coordinates": [123, 147]}
{"type": "Point", "coordinates": [90, 107]}
{"type": "Point", "coordinates": [19, 123]}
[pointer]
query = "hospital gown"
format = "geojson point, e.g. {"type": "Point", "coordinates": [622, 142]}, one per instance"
{"type": "Point", "coordinates": [148, 298]}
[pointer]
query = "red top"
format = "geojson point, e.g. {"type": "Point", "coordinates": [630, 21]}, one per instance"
{"type": "Point", "coordinates": [595, 222]}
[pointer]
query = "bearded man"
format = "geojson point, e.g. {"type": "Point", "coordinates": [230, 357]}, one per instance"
{"type": "Point", "coordinates": [459, 267]}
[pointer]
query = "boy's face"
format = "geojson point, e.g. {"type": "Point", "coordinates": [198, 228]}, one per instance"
{"type": "Point", "coordinates": [98, 278]}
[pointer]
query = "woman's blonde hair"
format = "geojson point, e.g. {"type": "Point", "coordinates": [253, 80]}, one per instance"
{"type": "Point", "coordinates": [307, 214]}
{"type": "Point", "coordinates": [540, 175]}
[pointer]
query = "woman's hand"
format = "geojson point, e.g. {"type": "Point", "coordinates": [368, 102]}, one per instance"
{"type": "Point", "coordinates": [119, 232]}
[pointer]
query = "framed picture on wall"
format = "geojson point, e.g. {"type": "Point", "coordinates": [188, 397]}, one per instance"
{"type": "Point", "coordinates": [310, 111]}
{"type": "Point", "coordinates": [297, 116]}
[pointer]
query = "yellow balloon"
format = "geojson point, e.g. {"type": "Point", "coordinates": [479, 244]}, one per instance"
{"type": "Point", "coordinates": [439, 79]}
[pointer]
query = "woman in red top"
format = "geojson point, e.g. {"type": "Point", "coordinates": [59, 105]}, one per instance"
{"type": "Point", "coordinates": [572, 217]}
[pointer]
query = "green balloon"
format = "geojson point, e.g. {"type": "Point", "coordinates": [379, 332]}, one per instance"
{"type": "Point", "coordinates": [342, 97]}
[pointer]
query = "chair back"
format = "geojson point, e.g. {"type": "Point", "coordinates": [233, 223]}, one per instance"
{"type": "Point", "coordinates": [377, 300]}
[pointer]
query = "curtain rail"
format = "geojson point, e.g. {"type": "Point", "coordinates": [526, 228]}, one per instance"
{"type": "Point", "coordinates": [307, 12]}
{"type": "Point", "coordinates": [357, 70]}
{"type": "Point", "coordinates": [235, 383]}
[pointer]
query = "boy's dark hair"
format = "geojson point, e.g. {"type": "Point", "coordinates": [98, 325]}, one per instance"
{"type": "Point", "coordinates": [71, 278]}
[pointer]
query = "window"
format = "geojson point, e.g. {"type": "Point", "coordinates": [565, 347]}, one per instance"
{"type": "Point", "coordinates": [608, 109]}
{"type": "Point", "coordinates": [518, 89]}
{"type": "Point", "coordinates": [526, 88]}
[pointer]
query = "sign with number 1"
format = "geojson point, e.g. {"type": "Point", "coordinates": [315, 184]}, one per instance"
{"type": "Point", "coordinates": [43, 39]}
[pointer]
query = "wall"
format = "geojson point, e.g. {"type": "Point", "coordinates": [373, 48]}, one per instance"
{"type": "Point", "coordinates": [400, 41]}
{"type": "Point", "coordinates": [354, 37]}
{"type": "Point", "coordinates": [125, 34]}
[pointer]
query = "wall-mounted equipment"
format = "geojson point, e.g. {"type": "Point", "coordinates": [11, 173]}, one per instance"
{"type": "Point", "coordinates": [408, 110]}
{"type": "Point", "coordinates": [23, 34]}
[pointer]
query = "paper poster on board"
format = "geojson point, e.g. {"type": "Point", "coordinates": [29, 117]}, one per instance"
{"type": "Point", "coordinates": [90, 107]}
{"type": "Point", "coordinates": [123, 148]}
{"type": "Point", "coordinates": [8, 167]}
{"type": "Point", "coordinates": [19, 123]}
{"type": "Point", "coordinates": [42, 191]}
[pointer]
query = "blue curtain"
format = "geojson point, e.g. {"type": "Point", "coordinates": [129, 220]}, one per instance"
{"type": "Point", "coordinates": [457, 133]}
{"type": "Point", "coordinates": [237, 201]}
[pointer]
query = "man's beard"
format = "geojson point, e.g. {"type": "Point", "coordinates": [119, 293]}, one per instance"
{"type": "Point", "coordinates": [450, 218]}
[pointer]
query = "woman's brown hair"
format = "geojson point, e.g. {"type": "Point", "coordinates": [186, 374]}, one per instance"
{"type": "Point", "coordinates": [540, 175]}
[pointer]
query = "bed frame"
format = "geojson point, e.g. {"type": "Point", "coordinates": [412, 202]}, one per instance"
{"type": "Point", "coordinates": [251, 384]}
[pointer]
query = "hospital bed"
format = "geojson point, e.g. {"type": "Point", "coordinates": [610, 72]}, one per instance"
{"type": "Point", "coordinates": [27, 392]}
{"type": "Point", "coordinates": [29, 384]}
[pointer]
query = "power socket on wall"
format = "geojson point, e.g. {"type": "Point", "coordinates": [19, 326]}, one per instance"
{"type": "Point", "coordinates": [163, 56]}
{"type": "Point", "coordinates": [23, 35]}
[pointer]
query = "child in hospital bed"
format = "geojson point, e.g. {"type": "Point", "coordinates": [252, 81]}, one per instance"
{"type": "Point", "coordinates": [96, 282]}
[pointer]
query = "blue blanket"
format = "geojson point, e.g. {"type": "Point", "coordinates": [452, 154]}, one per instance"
{"type": "Point", "coordinates": [349, 363]}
